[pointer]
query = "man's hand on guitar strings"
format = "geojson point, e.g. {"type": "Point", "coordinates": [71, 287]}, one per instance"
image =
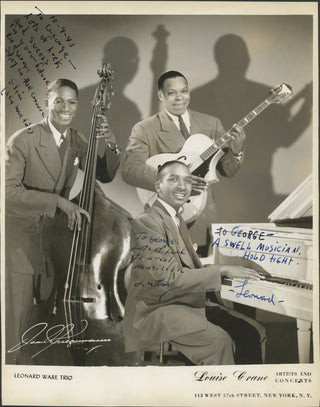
{"type": "Point", "coordinates": [238, 137]}
{"type": "Point", "coordinates": [198, 185]}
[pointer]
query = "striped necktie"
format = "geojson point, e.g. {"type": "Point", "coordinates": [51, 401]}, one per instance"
{"type": "Point", "coordinates": [183, 128]}
{"type": "Point", "coordinates": [62, 146]}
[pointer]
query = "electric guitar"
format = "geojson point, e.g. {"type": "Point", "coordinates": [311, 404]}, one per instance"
{"type": "Point", "coordinates": [202, 154]}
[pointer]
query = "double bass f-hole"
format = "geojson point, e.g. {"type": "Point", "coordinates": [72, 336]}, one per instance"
{"type": "Point", "coordinates": [77, 285]}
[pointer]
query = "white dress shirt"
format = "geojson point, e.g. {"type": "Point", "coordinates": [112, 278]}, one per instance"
{"type": "Point", "coordinates": [175, 119]}
{"type": "Point", "coordinates": [56, 134]}
{"type": "Point", "coordinates": [172, 211]}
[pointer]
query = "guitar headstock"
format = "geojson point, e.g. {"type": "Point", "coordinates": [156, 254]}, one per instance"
{"type": "Point", "coordinates": [280, 93]}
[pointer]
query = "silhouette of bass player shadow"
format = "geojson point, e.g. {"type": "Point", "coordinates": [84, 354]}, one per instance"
{"type": "Point", "coordinates": [249, 196]}
{"type": "Point", "coordinates": [122, 54]}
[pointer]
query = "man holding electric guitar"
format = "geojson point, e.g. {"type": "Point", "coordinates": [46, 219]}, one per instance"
{"type": "Point", "coordinates": [197, 139]}
{"type": "Point", "coordinates": [166, 132]}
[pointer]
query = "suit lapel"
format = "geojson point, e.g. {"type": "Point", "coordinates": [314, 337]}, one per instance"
{"type": "Point", "coordinates": [64, 169]}
{"type": "Point", "coordinates": [170, 136]}
{"type": "Point", "coordinates": [48, 151]}
{"type": "Point", "coordinates": [168, 133]}
{"type": "Point", "coordinates": [195, 123]}
{"type": "Point", "coordinates": [189, 245]}
{"type": "Point", "coordinates": [179, 246]}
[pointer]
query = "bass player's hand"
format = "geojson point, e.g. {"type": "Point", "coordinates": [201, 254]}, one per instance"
{"type": "Point", "coordinates": [73, 212]}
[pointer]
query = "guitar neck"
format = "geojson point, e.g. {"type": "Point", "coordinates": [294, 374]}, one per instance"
{"type": "Point", "coordinates": [223, 140]}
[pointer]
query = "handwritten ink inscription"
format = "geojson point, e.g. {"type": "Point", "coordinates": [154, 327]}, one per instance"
{"type": "Point", "coordinates": [37, 46]}
{"type": "Point", "coordinates": [255, 245]}
{"type": "Point", "coordinates": [241, 291]}
{"type": "Point", "coordinates": [155, 265]}
{"type": "Point", "coordinates": [154, 253]}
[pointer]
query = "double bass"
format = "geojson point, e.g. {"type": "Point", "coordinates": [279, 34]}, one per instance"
{"type": "Point", "coordinates": [88, 263]}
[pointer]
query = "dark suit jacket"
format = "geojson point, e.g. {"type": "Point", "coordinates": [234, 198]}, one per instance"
{"type": "Point", "coordinates": [167, 288]}
{"type": "Point", "coordinates": [158, 134]}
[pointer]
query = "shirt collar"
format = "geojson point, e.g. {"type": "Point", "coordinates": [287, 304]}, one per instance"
{"type": "Point", "coordinates": [171, 210]}
{"type": "Point", "coordinates": [175, 119]}
{"type": "Point", "coordinates": [56, 133]}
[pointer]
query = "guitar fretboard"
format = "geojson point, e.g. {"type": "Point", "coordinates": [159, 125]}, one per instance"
{"type": "Point", "coordinates": [223, 140]}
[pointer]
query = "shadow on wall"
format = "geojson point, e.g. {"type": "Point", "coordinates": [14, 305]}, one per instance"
{"type": "Point", "coordinates": [249, 195]}
{"type": "Point", "coordinates": [122, 54]}
{"type": "Point", "coordinates": [158, 64]}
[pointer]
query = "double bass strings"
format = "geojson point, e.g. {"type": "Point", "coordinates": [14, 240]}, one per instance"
{"type": "Point", "coordinates": [79, 259]}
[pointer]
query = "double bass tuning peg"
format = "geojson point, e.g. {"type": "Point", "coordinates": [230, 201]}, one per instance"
{"type": "Point", "coordinates": [106, 71]}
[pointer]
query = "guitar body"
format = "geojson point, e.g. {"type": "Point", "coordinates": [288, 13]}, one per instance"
{"type": "Point", "coordinates": [190, 154]}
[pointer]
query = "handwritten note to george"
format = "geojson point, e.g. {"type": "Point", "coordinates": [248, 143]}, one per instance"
{"type": "Point", "coordinates": [37, 47]}
{"type": "Point", "coordinates": [257, 245]}
{"type": "Point", "coordinates": [154, 253]}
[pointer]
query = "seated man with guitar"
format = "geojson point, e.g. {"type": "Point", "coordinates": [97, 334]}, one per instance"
{"type": "Point", "coordinates": [168, 284]}
{"type": "Point", "coordinates": [167, 132]}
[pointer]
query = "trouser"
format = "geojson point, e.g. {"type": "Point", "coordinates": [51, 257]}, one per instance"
{"type": "Point", "coordinates": [24, 265]}
{"type": "Point", "coordinates": [19, 303]}
{"type": "Point", "coordinates": [211, 346]}
{"type": "Point", "coordinates": [248, 335]}
{"type": "Point", "coordinates": [230, 338]}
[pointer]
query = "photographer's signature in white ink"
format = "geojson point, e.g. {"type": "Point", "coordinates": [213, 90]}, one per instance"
{"type": "Point", "coordinates": [41, 333]}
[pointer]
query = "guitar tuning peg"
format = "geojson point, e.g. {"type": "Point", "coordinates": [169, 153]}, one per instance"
{"type": "Point", "coordinates": [287, 99]}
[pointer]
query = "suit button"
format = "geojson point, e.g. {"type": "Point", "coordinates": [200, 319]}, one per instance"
{"type": "Point", "coordinates": [35, 227]}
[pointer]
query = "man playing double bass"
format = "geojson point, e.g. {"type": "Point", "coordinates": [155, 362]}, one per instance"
{"type": "Point", "coordinates": [41, 166]}
{"type": "Point", "coordinates": [166, 132]}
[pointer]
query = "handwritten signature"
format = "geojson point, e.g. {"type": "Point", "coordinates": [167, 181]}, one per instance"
{"type": "Point", "coordinates": [247, 294]}
{"type": "Point", "coordinates": [59, 334]}
{"type": "Point", "coordinates": [156, 283]}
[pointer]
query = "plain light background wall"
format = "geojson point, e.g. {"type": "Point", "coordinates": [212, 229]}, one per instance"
{"type": "Point", "coordinates": [279, 49]}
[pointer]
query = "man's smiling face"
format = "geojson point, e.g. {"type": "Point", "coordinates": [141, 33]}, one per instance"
{"type": "Point", "coordinates": [175, 95]}
{"type": "Point", "coordinates": [174, 185]}
{"type": "Point", "coordinates": [62, 104]}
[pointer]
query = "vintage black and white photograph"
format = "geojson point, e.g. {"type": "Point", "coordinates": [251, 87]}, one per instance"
{"type": "Point", "coordinates": [159, 202]}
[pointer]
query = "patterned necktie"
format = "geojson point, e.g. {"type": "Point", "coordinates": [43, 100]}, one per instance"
{"type": "Point", "coordinates": [183, 128]}
{"type": "Point", "coordinates": [62, 146]}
